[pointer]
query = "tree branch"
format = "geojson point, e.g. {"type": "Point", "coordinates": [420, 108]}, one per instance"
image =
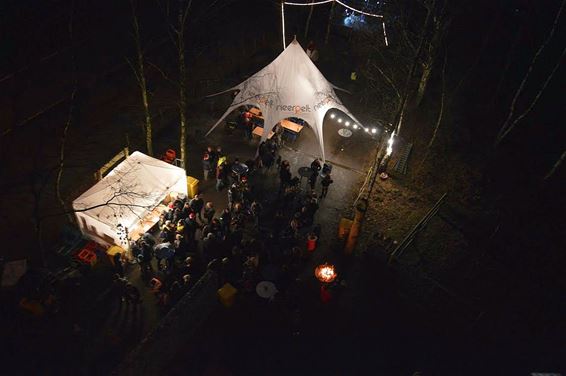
{"type": "Point", "coordinates": [519, 91]}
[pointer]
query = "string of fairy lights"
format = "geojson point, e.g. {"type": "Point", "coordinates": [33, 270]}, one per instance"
{"type": "Point", "coordinates": [347, 123]}
{"type": "Point", "coordinates": [322, 2]}
{"type": "Point", "coordinates": [354, 125]}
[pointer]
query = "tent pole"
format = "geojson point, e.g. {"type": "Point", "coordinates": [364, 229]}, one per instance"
{"type": "Point", "coordinates": [283, 22]}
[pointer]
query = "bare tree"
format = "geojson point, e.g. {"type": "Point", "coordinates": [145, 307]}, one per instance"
{"type": "Point", "coordinates": [509, 124]}
{"type": "Point", "coordinates": [182, 15]}
{"type": "Point", "coordinates": [555, 166]}
{"type": "Point", "coordinates": [177, 27]}
{"type": "Point", "coordinates": [68, 123]}
{"type": "Point", "coordinates": [330, 17]}
{"type": "Point", "coordinates": [307, 25]}
{"type": "Point", "coordinates": [440, 116]}
{"type": "Point", "coordinates": [441, 20]}
{"type": "Point", "coordinates": [139, 71]}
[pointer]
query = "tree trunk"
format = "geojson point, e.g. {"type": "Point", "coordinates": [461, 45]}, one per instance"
{"type": "Point", "coordinates": [440, 111]}
{"type": "Point", "coordinates": [440, 23]}
{"type": "Point", "coordinates": [330, 17]}
{"type": "Point", "coordinates": [397, 121]}
{"type": "Point", "coordinates": [427, 70]}
{"type": "Point", "coordinates": [308, 21]}
{"type": "Point", "coordinates": [182, 85]}
{"type": "Point", "coordinates": [142, 82]}
{"type": "Point", "coordinates": [59, 177]}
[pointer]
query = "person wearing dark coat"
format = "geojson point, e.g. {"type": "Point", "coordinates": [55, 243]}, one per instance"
{"type": "Point", "coordinates": [325, 182]}
{"type": "Point", "coordinates": [284, 176]}
{"type": "Point", "coordinates": [209, 212]}
{"type": "Point", "coordinates": [197, 204]}
{"type": "Point", "coordinates": [206, 165]}
{"type": "Point", "coordinates": [225, 220]}
{"type": "Point", "coordinates": [191, 227]}
{"type": "Point", "coordinates": [221, 176]}
{"type": "Point", "coordinates": [256, 210]}
{"type": "Point", "coordinates": [213, 156]}
{"type": "Point", "coordinates": [315, 166]}
{"type": "Point", "coordinates": [167, 232]}
{"type": "Point", "coordinates": [118, 266]}
{"type": "Point", "coordinates": [133, 294]}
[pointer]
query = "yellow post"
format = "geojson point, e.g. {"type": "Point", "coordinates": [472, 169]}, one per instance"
{"type": "Point", "coordinates": [361, 209]}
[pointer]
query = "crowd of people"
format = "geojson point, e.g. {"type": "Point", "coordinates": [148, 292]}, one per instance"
{"type": "Point", "coordinates": [256, 231]}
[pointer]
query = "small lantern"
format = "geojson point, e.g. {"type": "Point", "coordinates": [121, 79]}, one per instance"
{"type": "Point", "coordinates": [325, 273]}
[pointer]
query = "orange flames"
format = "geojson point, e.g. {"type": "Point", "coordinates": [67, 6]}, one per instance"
{"type": "Point", "coordinates": [325, 273]}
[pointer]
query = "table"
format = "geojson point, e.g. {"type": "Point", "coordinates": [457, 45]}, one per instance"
{"type": "Point", "coordinates": [266, 290]}
{"type": "Point", "coordinates": [147, 222]}
{"type": "Point", "coordinates": [258, 131]}
{"type": "Point", "coordinates": [290, 126]}
{"type": "Point", "coordinates": [256, 112]}
{"type": "Point", "coordinates": [345, 132]}
{"type": "Point", "coordinates": [239, 169]}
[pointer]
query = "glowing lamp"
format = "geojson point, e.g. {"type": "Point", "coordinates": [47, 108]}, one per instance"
{"type": "Point", "coordinates": [390, 144]}
{"type": "Point", "coordinates": [332, 116]}
{"type": "Point", "coordinates": [374, 130]}
{"type": "Point", "coordinates": [347, 123]}
{"type": "Point", "coordinates": [340, 120]}
{"type": "Point", "coordinates": [325, 273]}
{"type": "Point", "coordinates": [366, 129]}
{"type": "Point", "coordinates": [355, 126]}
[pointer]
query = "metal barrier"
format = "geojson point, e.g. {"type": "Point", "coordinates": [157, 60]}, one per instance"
{"type": "Point", "coordinates": [154, 352]}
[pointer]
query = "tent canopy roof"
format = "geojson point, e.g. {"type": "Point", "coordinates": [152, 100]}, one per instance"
{"type": "Point", "coordinates": [290, 86]}
{"type": "Point", "coordinates": [130, 190]}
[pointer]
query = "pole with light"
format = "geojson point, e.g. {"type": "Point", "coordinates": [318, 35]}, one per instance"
{"type": "Point", "coordinates": [283, 22]}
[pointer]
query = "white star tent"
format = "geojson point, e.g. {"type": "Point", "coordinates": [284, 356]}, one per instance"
{"type": "Point", "coordinates": [291, 86]}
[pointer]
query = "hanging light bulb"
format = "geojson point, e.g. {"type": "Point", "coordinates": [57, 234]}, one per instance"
{"type": "Point", "coordinates": [332, 116]}
{"type": "Point", "coordinates": [355, 126]}
{"type": "Point", "coordinates": [339, 120]}
{"type": "Point", "coordinates": [366, 129]}
{"type": "Point", "coordinates": [347, 123]}
{"type": "Point", "coordinates": [374, 130]}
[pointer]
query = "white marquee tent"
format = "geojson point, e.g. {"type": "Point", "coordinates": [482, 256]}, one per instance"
{"type": "Point", "coordinates": [126, 196]}
{"type": "Point", "coordinates": [291, 86]}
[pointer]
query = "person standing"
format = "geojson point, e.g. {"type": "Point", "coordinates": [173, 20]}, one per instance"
{"type": "Point", "coordinates": [225, 220]}
{"type": "Point", "coordinates": [209, 212]}
{"type": "Point", "coordinates": [119, 286]}
{"type": "Point", "coordinates": [284, 176]}
{"type": "Point", "coordinates": [221, 177]}
{"type": "Point", "coordinates": [206, 166]}
{"type": "Point", "coordinates": [256, 210]}
{"type": "Point", "coordinates": [326, 181]}
{"type": "Point", "coordinates": [315, 170]}
{"type": "Point", "coordinates": [118, 265]}
{"type": "Point", "coordinates": [213, 156]}
{"type": "Point", "coordinates": [133, 294]}
{"type": "Point", "coordinates": [197, 204]}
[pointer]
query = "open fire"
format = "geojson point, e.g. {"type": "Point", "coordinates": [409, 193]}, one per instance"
{"type": "Point", "coordinates": [325, 273]}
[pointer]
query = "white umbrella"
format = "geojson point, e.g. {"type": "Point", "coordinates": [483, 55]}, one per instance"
{"type": "Point", "coordinates": [266, 290]}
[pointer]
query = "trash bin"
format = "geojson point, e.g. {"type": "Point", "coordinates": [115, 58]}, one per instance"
{"type": "Point", "coordinates": [227, 295]}
{"type": "Point", "coordinates": [192, 186]}
{"type": "Point", "coordinates": [311, 242]}
{"type": "Point", "coordinates": [113, 250]}
{"type": "Point", "coordinates": [344, 228]}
